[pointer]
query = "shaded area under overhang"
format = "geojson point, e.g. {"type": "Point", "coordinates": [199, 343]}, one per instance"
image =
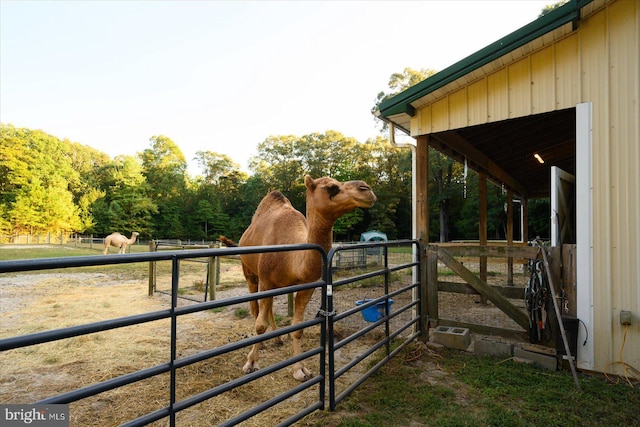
{"type": "Point", "coordinates": [506, 149]}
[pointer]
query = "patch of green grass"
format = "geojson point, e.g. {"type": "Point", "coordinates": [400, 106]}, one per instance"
{"type": "Point", "coordinates": [241, 312]}
{"type": "Point", "coordinates": [484, 391]}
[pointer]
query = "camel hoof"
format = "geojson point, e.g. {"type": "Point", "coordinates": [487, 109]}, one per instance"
{"type": "Point", "coordinates": [250, 367]}
{"type": "Point", "coordinates": [302, 374]}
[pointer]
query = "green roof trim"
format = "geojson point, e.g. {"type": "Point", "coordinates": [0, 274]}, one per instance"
{"type": "Point", "coordinates": [401, 103]}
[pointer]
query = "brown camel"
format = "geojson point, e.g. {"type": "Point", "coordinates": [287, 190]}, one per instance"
{"type": "Point", "coordinates": [119, 241]}
{"type": "Point", "coordinates": [277, 222]}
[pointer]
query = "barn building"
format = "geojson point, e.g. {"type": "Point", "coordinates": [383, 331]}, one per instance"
{"type": "Point", "coordinates": [565, 87]}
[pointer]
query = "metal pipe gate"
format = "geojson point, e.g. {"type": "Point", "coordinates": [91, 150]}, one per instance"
{"type": "Point", "coordinates": [324, 349]}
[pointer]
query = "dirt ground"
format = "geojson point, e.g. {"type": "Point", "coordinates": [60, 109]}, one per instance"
{"type": "Point", "coordinates": [37, 302]}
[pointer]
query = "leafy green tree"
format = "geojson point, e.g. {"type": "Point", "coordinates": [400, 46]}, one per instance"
{"type": "Point", "coordinates": [467, 224]}
{"type": "Point", "coordinates": [388, 170]}
{"type": "Point", "coordinates": [215, 165]}
{"type": "Point", "coordinates": [551, 7]}
{"type": "Point", "coordinates": [279, 163]}
{"type": "Point", "coordinates": [87, 161]}
{"type": "Point", "coordinates": [37, 176]}
{"type": "Point", "coordinates": [283, 161]}
{"type": "Point", "coordinates": [399, 82]}
{"type": "Point", "coordinates": [538, 213]}
{"type": "Point", "coordinates": [443, 170]}
{"type": "Point", "coordinates": [127, 205]}
{"type": "Point", "coordinates": [165, 168]}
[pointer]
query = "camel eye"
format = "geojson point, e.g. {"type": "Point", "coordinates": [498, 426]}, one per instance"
{"type": "Point", "coordinates": [332, 190]}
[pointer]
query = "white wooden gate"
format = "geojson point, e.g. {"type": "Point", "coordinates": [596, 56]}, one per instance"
{"type": "Point", "coordinates": [563, 207]}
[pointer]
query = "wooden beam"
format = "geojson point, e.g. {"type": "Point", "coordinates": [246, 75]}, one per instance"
{"type": "Point", "coordinates": [528, 252]}
{"type": "Point", "coordinates": [510, 235]}
{"type": "Point", "coordinates": [483, 288]}
{"type": "Point", "coordinates": [422, 230]}
{"type": "Point", "coordinates": [482, 224]}
{"type": "Point", "coordinates": [422, 193]}
{"type": "Point", "coordinates": [511, 292]}
{"type": "Point", "coordinates": [458, 144]}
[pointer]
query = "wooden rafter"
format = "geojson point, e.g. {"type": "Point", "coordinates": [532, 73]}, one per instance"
{"type": "Point", "coordinates": [454, 145]}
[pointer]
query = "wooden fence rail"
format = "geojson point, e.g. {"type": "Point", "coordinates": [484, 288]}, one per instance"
{"type": "Point", "coordinates": [473, 284]}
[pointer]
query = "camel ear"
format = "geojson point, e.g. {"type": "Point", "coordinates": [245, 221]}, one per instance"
{"type": "Point", "coordinates": [309, 183]}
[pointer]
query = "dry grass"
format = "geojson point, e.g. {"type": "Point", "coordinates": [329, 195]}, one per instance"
{"type": "Point", "coordinates": [38, 302]}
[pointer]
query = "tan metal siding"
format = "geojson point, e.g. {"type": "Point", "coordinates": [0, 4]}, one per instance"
{"type": "Point", "coordinates": [543, 87]}
{"type": "Point", "coordinates": [440, 115]}
{"type": "Point", "coordinates": [624, 155]}
{"type": "Point", "coordinates": [519, 88]}
{"type": "Point", "coordinates": [598, 63]}
{"type": "Point", "coordinates": [477, 102]}
{"type": "Point", "coordinates": [567, 73]}
{"type": "Point", "coordinates": [593, 56]}
{"type": "Point", "coordinates": [497, 98]}
{"type": "Point", "coordinates": [458, 109]}
{"type": "Point", "coordinates": [422, 121]}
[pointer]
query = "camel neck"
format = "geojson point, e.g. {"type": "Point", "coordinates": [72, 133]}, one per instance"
{"type": "Point", "coordinates": [320, 230]}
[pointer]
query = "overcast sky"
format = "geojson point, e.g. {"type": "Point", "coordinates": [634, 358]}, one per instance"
{"type": "Point", "coordinates": [223, 76]}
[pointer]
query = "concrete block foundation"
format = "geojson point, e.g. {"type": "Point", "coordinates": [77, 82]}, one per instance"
{"type": "Point", "coordinates": [457, 338]}
{"type": "Point", "coordinates": [492, 348]}
{"type": "Point", "coordinates": [542, 360]}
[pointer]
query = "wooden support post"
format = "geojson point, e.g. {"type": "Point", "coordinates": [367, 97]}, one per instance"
{"type": "Point", "coordinates": [213, 276]}
{"type": "Point", "coordinates": [525, 220]}
{"type": "Point", "coordinates": [422, 230]}
{"type": "Point", "coordinates": [482, 232]}
{"type": "Point", "coordinates": [432, 284]}
{"type": "Point", "coordinates": [152, 270]}
{"type": "Point", "coordinates": [509, 235]}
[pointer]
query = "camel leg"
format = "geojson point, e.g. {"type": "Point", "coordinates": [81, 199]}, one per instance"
{"type": "Point", "coordinates": [265, 306]}
{"type": "Point", "coordinates": [302, 299]}
{"type": "Point", "coordinates": [252, 283]}
{"type": "Point", "coordinates": [252, 358]}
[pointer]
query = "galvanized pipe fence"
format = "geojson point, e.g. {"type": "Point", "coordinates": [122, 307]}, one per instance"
{"type": "Point", "coordinates": [393, 340]}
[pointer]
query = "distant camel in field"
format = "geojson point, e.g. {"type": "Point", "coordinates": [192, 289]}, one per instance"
{"type": "Point", "coordinates": [119, 241]}
{"type": "Point", "coordinates": [277, 222]}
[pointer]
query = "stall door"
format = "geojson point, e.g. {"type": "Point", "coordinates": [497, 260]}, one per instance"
{"type": "Point", "coordinates": [563, 207]}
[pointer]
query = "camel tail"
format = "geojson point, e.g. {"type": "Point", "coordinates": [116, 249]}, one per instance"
{"type": "Point", "coordinates": [227, 242]}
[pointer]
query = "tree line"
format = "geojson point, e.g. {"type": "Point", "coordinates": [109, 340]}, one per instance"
{"type": "Point", "coordinates": [48, 185]}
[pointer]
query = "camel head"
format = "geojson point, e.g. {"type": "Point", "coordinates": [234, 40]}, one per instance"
{"type": "Point", "coordinates": [332, 198]}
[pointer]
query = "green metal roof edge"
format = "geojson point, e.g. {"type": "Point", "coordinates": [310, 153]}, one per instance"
{"type": "Point", "coordinates": [549, 22]}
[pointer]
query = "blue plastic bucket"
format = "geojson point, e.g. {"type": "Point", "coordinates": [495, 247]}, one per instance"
{"type": "Point", "coordinates": [375, 312]}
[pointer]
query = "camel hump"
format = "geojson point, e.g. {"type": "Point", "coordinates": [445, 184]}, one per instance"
{"type": "Point", "coordinates": [277, 196]}
{"type": "Point", "coordinates": [271, 201]}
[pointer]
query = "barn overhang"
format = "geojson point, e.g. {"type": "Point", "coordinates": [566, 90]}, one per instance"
{"type": "Point", "coordinates": [504, 149]}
